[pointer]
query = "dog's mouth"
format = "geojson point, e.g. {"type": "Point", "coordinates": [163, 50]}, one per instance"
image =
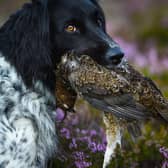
{"type": "Point", "coordinates": [73, 64]}
{"type": "Point", "coordinates": [118, 64]}
{"type": "Point", "coordinates": [71, 61]}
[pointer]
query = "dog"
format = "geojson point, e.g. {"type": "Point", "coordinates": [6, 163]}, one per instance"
{"type": "Point", "coordinates": [32, 42]}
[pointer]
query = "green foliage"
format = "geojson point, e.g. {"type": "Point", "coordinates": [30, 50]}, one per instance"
{"type": "Point", "coordinates": [145, 152]}
{"type": "Point", "coordinates": [150, 25]}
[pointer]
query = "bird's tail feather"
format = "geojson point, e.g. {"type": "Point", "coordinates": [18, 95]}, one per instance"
{"type": "Point", "coordinates": [164, 111]}
{"type": "Point", "coordinates": [134, 130]}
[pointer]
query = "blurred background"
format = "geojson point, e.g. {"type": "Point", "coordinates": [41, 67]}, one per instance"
{"type": "Point", "coordinates": [141, 29]}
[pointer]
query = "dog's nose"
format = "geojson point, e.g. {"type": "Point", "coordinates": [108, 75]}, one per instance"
{"type": "Point", "coordinates": [114, 56]}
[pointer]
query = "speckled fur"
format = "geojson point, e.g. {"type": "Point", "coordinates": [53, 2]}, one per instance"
{"type": "Point", "coordinates": [27, 129]}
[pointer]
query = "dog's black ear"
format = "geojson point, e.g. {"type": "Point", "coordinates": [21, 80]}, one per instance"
{"type": "Point", "coordinates": [37, 37]}
{"type": "Point", "coordinates": [42, 2]}
{"type": "Point", "coordinates": [27, 41]}
{"type": "Point", "coordinates": [43, 12]}
{"type": "Point", "coordinates": [96, 2]}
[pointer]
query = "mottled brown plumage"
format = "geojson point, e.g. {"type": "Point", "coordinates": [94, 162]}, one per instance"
{"type": "Point", "coordinates": [123, 90]}
{"type": "Point", "coordinates": [123, 93]}
{"type": "Point", "coordinates": [65, 95]}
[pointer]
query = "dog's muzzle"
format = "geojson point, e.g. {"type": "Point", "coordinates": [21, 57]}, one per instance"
{"type": "Point", "coordinates": [114, 57]}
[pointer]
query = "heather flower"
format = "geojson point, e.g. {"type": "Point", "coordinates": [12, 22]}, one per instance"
{"type": "Point", "coordinates": [165, 63]}
{"type": "Point", "coordinates": [79, 155]}
{"type": "Point", "coordinates": [93, 147]}
{"type": "Point", "coordinates": [85, 139]}
{"type": "Point", "coordinates": [101, 147]}
{"type": "Point", "coordinates": [59, 114]}
{"type": "Point", "coordinates": [77, 130]}
{"type": "Point", "coordinates": [82, 164]}
{"type": "Point", "coordinates": [84, 132]}
{"type": "Point", "coordinates": [164, 152]}
{"type": "Point", "coordinates": [80, 160]}
{"type": "Point", "coordinates": [73, 144]}
{"type": "Point", "coordinates": [65, 133]}
{"type": "Point", "coordinates": [93, 133]}
{"type": "Point", "coordinates": [165, 165]}
{"type": "Point", "coordinates": [74, 121]}
{"type": "Point", "coordinates": [150, 58]}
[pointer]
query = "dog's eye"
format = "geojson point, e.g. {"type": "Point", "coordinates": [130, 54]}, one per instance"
{"type": "Point", "coordinates": [71, 29]}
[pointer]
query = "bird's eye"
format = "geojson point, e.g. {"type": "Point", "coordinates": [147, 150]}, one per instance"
{"type": "Point", "coordinates": [71, 29]}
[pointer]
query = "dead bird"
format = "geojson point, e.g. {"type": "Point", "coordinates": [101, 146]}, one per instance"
{"type": "Point", "coordinates": [123, 90]}
{"type": "Point", "coordinates": [65, 95]}
{"type": "Point", "coordinates": [124, 94]}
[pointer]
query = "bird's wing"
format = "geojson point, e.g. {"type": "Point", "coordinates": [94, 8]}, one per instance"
{"type": "Point", "coordinates": [121, 105]}
{"type": "Point", "coordinates": [162, 107]}
{"type": "Point", "coordinates": [134, 129]}
{"type": "Point", "coordinates": [163, 111]}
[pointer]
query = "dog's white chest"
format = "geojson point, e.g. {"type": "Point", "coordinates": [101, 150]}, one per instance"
{"type": "Point", "coordinates": [27, 129]}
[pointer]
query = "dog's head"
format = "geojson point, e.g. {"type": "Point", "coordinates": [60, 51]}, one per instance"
{"type": "Point", "coordinates": [35, 37]}
{"type": "Point", "coordinates": [79, 25]}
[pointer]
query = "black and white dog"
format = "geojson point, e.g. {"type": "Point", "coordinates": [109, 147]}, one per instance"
{"type": "Point", "coordinates": [31, 44]}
